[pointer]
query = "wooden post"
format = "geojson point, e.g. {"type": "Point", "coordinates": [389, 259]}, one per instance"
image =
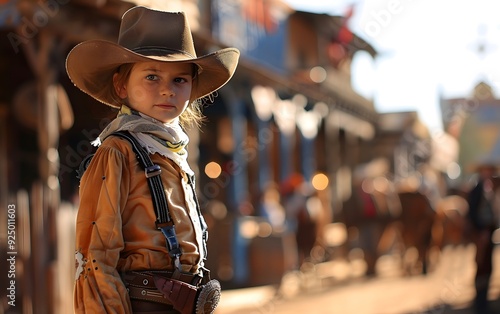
{"type": "Point", "coordinates": [334, 156]}
{"type": "Point", "coordinates": [46, 192]}
{"type": "Point", "coordinates": [4, 165]}
{"type": "Point", "coordinates": [24, 269]}
{"type": "Point", "coordinates": [4, 201]}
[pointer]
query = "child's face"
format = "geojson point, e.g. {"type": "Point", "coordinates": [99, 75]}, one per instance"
{"type": "Point", "coordinates": [157, 89]}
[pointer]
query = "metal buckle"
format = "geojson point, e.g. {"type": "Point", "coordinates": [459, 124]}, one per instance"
{"type": "Point", "coordinates": [152, 171]}
{"type": "Point", "coordinates": [177, 262]}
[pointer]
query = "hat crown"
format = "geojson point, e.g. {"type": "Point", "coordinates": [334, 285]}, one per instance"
{"type": "Point", "coordinates": [147, 36]}
{"type": "Point", "coordinates": [159, 33]}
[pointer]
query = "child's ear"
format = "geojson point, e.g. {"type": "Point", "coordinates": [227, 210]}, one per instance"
{"type": "Point", "coordinates": [120, 89]}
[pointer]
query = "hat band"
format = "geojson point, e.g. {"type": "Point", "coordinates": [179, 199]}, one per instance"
{"type": "Point", "coordinates": [160, 51]}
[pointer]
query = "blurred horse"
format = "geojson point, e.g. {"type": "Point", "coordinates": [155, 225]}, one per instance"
{"type": "Point", "coordinates": [450, 223]}
{"type": "Point", "coordinates": [411, 231]}
{"type": "Point", "coordinates": [416, 221]}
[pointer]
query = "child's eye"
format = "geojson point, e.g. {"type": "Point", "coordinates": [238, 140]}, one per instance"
{"type": "Point", "coordinates": [151, 77]}
{"type": "Point", "coordinates": [180, 80]}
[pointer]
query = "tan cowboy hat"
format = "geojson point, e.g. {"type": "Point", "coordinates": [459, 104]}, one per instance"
{"type": "Point", "coordinates": [147, 35]}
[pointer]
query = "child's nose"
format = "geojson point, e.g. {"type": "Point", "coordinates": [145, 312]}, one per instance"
{"type": "Point", "coordinates": [168, 89]}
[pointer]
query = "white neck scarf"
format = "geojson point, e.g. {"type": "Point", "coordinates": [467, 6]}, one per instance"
{"type": "Point", "coordinates": [166, 139]}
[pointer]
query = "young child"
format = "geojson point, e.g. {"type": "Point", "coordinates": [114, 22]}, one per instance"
{"type": "Point", "coordinates": [140, 243]}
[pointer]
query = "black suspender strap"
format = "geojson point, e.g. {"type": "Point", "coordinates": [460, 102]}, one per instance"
{"type": "Point", "coordinates": [163, 221]}
{"type": "Point", "coordinates": [203, 224]}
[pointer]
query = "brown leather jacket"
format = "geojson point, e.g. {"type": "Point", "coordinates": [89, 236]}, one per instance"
{"type": "Point", "coordinates": [115, 227]}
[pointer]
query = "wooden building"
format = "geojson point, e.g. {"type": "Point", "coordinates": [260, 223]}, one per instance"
{"type": "Point", "coordinates": [290, 109]}
{"type": "Point", "coordinates": [473, 122]}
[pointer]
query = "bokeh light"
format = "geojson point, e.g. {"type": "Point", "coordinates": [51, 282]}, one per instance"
{"type": "Point", "coordinates": [320, 181]}
{"type": "Point", "coordinates": [213, 170]}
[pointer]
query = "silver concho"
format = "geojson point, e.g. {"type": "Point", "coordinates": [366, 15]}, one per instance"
{"type": "Point", "coordinates": [208, 297]}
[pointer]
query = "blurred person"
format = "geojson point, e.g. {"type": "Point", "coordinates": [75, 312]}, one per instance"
{"type": "Point", "coordinates": [140, 234]}
{"type": "Point", "coordinates": [372, 220]}
{"type": "Point", "coordinates": [370, 229]}
{"type": "Point", "coordinates": [484, 204]}
{"type": "Point", "coordinates": [373, 207]}
{"type": "Point", "coordinates": [300, 219]}
{"type": "Point", "coordinates": [308, 227]}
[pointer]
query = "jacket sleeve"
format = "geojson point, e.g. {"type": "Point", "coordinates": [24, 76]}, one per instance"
{"type": "Point", "coordinates": [99, 241]}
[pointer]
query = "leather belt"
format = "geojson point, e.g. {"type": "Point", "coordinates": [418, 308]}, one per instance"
{"type": "Point", "coordinates": [138, 278]}
{"type": "Point", "coordinates": [141, 285]}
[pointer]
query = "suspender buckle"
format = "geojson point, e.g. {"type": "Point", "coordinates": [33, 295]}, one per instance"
{"type": "Point", "coordinates": [152, 171]}
{"type": "Point", "coordinates": [173, 246]}
{"type": "Point", "coordinates": [177, 262]}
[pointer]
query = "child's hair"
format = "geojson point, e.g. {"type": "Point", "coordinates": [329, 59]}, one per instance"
{"type": "Point", "coordinates": [192, 116]}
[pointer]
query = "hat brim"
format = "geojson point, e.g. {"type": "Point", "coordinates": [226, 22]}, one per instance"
{"type": "Point", "coordinates": [91, 65]}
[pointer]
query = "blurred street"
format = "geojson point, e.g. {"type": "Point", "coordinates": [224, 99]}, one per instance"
{"type": "Point", "coordinates": [345, 138]}
{"type": "Point", "coordinates": [447, 289]}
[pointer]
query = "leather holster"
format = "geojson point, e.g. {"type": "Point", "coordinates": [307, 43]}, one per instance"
{"type": "Point", "coordinates": [180, 294]}
{"type": "Point", "coordinates": [189, 299]}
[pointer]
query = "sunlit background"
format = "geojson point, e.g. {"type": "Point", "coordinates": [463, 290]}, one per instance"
{"type": "Point", "coordinates": [332, 171]}
{"type": "Point", "coordinates": [438, 48]}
